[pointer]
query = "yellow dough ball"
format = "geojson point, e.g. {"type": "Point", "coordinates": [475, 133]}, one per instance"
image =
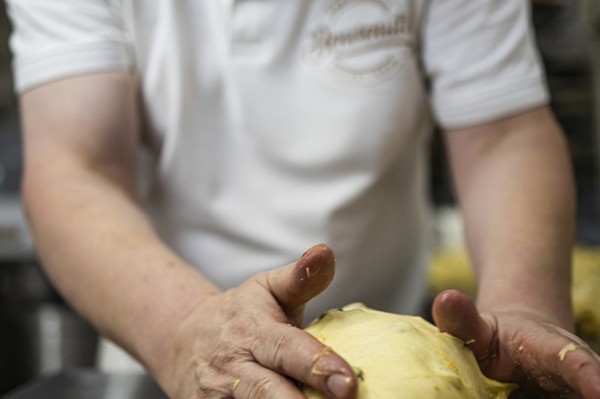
{"type": "Point", "coordinates": [396, 356]}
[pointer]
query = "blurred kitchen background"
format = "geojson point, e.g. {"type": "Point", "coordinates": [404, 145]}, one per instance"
{"type": "Point", "coordinates": [39, 334]}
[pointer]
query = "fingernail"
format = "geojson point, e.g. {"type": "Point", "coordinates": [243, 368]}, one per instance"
{"type": "Point", "coordinates": [339, 385]}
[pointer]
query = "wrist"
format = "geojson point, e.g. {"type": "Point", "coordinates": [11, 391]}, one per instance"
{"type": "Point", "coordinates": [541, 292]}
{"type": "Point", "coordinates": [185, 337]}
{"type": "Point", "coordinates": [560, 315]}
{"type": "Point", "coordinates": [160, 335]}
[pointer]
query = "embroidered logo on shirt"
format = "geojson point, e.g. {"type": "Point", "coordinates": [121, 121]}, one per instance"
{"type": "Point", "coordinates": [362, 41]}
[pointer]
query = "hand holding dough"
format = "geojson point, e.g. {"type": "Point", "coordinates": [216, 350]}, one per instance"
{"type": "Point", "coordinates": [402, 356]}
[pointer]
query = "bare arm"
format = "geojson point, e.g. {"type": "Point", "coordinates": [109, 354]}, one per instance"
{"type": "Point", "coordinates": [79, 188]}
{"type": "Point", "coordinates": [100, 250]}
{"type": "Point", "coordinates": [515, 186]}
{"type": "Point", "coordinates": [514, 182]}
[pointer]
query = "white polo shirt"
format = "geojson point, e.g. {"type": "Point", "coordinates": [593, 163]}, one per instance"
{"type": "Point", "coordinates": [278, 124]}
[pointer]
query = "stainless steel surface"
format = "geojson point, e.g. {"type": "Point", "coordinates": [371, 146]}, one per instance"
{"type": "Point", "coordinates": [89, 384]}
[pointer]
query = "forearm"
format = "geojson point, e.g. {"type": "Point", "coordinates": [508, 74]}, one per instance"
{"type": "Point", "coordinates": [518, 206]}
{"type": "Point", "coordinates": [104, 256]}
{"type": "Point", "coordinates": [82, 136]}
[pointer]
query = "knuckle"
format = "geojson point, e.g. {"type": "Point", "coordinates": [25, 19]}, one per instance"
{"type": "Point", "coordinates": [280, 349]}
{"type": "Point", "coordinates": [209, 384]}
{"type": "Point", "coordinates": [226, 356]}
{"type": "Point", "coordinates": [261, 388]}
{"type": "Point", "coordinates": [234, 344]}
{"type": "Point", "coordinates": [583, 366]}
{"type": "Point", "coordinates": [208, 393]}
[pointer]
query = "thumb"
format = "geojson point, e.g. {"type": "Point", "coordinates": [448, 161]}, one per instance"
{"type": "Point", "coordinates": [296, 284]}
{"type": "Point", "coordinates": [456, 314]}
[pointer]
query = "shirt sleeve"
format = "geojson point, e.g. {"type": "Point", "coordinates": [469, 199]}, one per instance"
{"type": "Point", "coordinates": [54, 39]}
{"type": "Point", "coordinates": [481, 60]}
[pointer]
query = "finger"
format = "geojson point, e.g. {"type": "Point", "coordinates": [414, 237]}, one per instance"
{"type": "Point", "coordinates": [579, 366]}
{"type": "Point", "coordinates": [257, 382]}
{"type": "Point", "coordinates": [456, 314]}
{"type": "Point", "coordinates": [294, 285]}
{"type": "Point", "coordinates": [560, 363]}
{"type": "Point", "coordinates": [290, 351]}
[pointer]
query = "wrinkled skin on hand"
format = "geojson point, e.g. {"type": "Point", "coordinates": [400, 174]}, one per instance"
{"type": "Point", "coordinates": [244, 343]}
{"type": "Point", "coordinates": [544, 359]}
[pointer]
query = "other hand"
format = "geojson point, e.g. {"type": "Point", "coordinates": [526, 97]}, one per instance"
{"type": "Point", "coordinates": [244, 343]}
{"type": "Point", "coordinates": [523, 347]}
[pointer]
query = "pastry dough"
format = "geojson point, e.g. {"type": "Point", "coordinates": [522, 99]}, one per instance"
{"type": "Point", "coordinates": [397, 356]}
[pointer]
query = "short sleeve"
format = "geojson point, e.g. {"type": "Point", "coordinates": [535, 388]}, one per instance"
{"type": "Point", "coordinates": [54, 39]}
{"type": "Point", "coordinates": [481, 60]}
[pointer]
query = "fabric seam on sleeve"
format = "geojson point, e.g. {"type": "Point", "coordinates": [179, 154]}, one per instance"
{"type": "Point", "coordinates": [465, 109]}
{"type": "Point", "coordinates": [68, 61]}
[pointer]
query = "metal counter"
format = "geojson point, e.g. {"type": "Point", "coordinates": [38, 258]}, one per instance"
{"type": "Point", "coordinates": [89, 384]}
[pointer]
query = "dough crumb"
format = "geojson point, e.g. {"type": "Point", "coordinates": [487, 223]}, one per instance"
{"type": "Point", "coordinates": [566, 349]}
{"type": "Point", "coordinates": [315, 370]}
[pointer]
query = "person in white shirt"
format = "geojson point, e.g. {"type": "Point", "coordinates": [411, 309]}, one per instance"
{"type": "Point", "coordinates": [275, 125]}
